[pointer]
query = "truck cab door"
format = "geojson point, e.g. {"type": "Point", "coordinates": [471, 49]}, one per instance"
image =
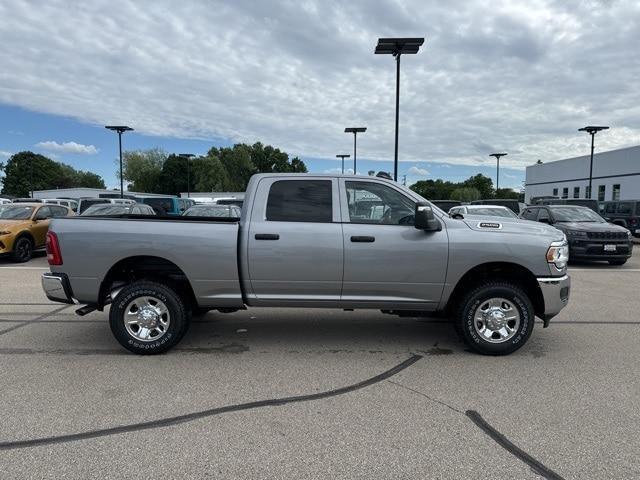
{"type": "Point", "coordinates": [388, 263]}
{"type": "Point", "coordinates": [294, 245]}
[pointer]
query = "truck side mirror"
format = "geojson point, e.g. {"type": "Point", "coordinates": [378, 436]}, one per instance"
{"type": "Point", "coordinates": [425, 218]}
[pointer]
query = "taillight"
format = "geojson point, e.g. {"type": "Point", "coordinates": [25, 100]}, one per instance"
{"type": "Point", "coordinates": [54, 257]}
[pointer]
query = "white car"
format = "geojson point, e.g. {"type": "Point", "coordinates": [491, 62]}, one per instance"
{"type": "Point", "coordinates": [4, 201]}
{"type": "Point", "coordinates": [481, 211]}
{"type": "Point", "coordinates": [65, 202]}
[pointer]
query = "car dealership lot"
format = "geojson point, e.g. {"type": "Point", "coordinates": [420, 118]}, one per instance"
{"type": "Point", "coordinates": [568, 399]}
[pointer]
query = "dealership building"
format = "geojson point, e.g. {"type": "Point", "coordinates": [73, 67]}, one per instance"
{"type": "Point", "coordinates": [616, 176]}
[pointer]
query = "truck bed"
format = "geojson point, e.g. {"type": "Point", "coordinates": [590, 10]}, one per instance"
{"type": "Point", "coordinates": [204, 249]}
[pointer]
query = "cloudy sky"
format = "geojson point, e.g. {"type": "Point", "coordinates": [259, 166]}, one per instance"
{"type": "Point", "coordinates": [521, 77]}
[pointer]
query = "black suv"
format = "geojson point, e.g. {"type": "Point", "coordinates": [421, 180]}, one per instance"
{"type": "Point", "coordinates": [625, 213]}
{"type": "Point", "coordinates": [590, 237]}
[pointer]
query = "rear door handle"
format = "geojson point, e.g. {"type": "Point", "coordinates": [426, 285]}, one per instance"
{"type": "Point", "coordinates": [363, 239]}
{"type": "Point", "coordinates": [267, 236]}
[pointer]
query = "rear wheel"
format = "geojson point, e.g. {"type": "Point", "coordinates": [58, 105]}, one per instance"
{"type": "Point", "coordinates": [495, 318]}
{"type": "Point", "coordinates": [22, 250]}
{"type": "Point", "coordinates": [617, 262]}
{"type": "Point", "coordinates": [148, 318]}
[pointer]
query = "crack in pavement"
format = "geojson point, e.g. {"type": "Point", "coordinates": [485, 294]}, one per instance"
{"type": "Point", "coordinates": [189, 417]}
{"type": "Point", "coordinates": [38, 319]}
{"type": "Point", "coordinates": [535, 465]}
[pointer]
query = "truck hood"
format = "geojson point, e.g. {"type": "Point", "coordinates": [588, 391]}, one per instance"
{"type": "Point", "coordinates": [511, 225]}
{"type": "Point", "coordinates": [590, 227]}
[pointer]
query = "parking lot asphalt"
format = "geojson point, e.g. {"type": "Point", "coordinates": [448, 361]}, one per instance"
{"type": "Point", "coordinates": [366, 395]}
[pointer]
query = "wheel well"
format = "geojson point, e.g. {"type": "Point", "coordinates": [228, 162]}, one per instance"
{"type": "Point", "coordinates": [511, 272]}
{"type": "Point", "coordinates": [158, 269]}
{"type": "Point", "coordinates": [27, 234]}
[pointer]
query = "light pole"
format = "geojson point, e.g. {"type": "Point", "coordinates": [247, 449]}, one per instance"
{"type": "Point", "coordinates": [355, 131]}
{"type": "Point", "coordinates": [343, 156]}
{"type": "Point", "coordinates": [188, 156]}
{"type": "Point", "coordinates": [120, 129]}
{"type": "Point", "coordinates": [396, 47]}
{"type": "Point", "coordinates": [498, 155]}
{"type": "Point", "coordinates": [591, 130]}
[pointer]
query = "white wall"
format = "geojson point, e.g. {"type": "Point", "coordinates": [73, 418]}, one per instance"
{"type": "Point", "coordinates": [574, 172]}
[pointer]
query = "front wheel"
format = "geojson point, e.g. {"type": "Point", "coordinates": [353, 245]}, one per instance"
{"type": "Point", "coordinates": [148, 318]}
{"type": "Point", "coordinates": [22, 250]}
{"type": "Point", "coordinates": [495, 318]}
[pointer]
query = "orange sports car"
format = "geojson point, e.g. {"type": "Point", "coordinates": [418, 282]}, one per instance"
{"type": "Point", "coordinates": [24, 226]}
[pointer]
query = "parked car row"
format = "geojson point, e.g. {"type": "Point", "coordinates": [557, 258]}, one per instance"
{"type": "Point", "coordinates": [590, 236]}
{"type": "Point", "coordinates": [24, 226]}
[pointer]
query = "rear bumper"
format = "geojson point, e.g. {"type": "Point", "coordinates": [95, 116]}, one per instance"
{"type": "Point", "coordinates": [56, 287]}
{"type": "Point", "coordinates": [555, 292]}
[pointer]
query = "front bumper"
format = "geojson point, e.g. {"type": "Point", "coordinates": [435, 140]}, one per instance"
{"type": "Point", "coordinates": [594, 250]}
{"type": "Point", "coordinates": [56, 287]}
{"type": "Point", "coordinates": [555, 292]}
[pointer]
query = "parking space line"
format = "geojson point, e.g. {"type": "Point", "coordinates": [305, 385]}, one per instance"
{"type": "Point", "coordinates": [189, 417]}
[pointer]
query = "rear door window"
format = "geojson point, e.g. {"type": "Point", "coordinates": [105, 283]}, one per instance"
{"type": "Point", "coordinates": [543, 215]}
{"type": "Point", "coordinates": [530, 214]}
{"type": "Point", "coordinates": [625, 208]}
{"type": "Point", "coordinates": [300, 201]}
{"type": "Point", "coordinates": [57, 211]}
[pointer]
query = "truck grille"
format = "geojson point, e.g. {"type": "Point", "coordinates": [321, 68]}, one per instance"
{"type": "Point", "coordinates": [607, 235]}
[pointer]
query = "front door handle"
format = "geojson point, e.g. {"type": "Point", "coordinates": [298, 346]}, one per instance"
{"type": "Point", "coordinates": [267, 236]}
{"type": "Point", "coordinates": [363, 239]}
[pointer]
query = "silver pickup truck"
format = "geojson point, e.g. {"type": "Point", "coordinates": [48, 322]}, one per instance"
{"type": "Point", "coordinates": [312, 241]}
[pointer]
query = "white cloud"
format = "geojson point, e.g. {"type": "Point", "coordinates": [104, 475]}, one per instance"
{"type": "Point", "coordinates": [67, 147]}
{"type": "Point", "coordinates": [5, 154]}
{"type": "Point", "coordinates": [294, 74]}
{"type": "Point", "coordinates": [417, 172]}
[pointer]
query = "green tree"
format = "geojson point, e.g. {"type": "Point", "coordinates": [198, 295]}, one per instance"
{"type": "Point", "coordinates": [173, 177]}
{"type": "Point", "coordinates": [433, 189]}
{"type": "Point", "coordinates": [483, 184]}
{"type": "Point", "coordinates": [507, 193]}
{"type": "Point", "coordinates": [209, 175]}
{"type": "Point", "coordinates": [465, 194]}
{"type": "Point", "coordinates": [46, 173]}
{"type": "Point", "coordinates": [238, 165]}
{"type": "Point", "coordinates": [142, 169]}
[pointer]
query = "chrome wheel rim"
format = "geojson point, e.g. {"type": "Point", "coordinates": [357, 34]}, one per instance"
{"type": "Point", "coordinates": [496, 320]}
{"type": "Point", "coordinates": [147, 319]}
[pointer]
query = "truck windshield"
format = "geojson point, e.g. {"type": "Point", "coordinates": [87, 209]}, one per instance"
{"type": "Point", "coordinates": [15, 212]}
{"type": "Point", "coordinates": [576, 214]}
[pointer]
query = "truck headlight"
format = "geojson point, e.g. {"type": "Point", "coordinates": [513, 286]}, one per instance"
{"type": "Point", "coordinates": [558, 254]}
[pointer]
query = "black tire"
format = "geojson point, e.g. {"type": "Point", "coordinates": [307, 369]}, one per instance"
{"type": "Point", "coordinates": [176, 329]}
{"type": "Point", "coordinates": [465, 323]}
{"type": "Point", "coordinates": [617, 262]}
{"type": "Point", "coordinates": [22, 250]}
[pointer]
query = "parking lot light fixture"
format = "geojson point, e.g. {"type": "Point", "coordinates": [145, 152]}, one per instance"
{"type": "Point", "coordinates": [188, 156]}
{"type": "Point", "coordinates": [498, 155]}
{"type": "Point", "coordinates": [120, 129]}
{"type": "Point", "coordinates": [591, 130]}
{"type": "Point", "coordinates": [355, 131]}
{"type": "Point", "coordinates": [343, 156]}
{"type": "Point", "coordinates": [397, 47]}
